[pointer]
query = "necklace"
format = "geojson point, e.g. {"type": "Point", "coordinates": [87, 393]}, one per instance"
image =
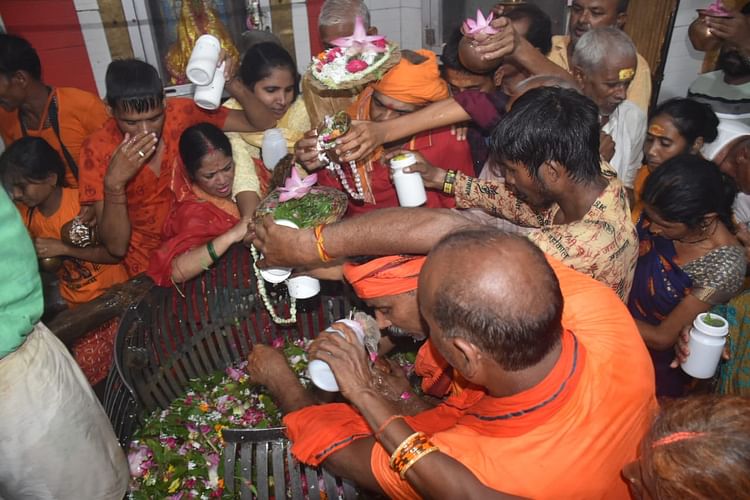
{"type": "Point", "coordinates": [262, 291]}
{"type": "Point", "coordinates": [359, 194]}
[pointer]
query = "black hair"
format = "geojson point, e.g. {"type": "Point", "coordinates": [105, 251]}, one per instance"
{"type": "Point", "coordinates": [540, 25]}
{"type": "Point", "coordinates": [199, 140]}
{"type": "Point", "coordinates": [32, 159]}
{"type": "Point", "coordinates": [692, 119]}
{"type": "Point", "coordinates": [261, 59]}
{"type": "Point", "coordinates": [516, 336]}
{"type": "Point", "coordinates": [622, 6]}
{"type": "Point", "coordinates": [746, 9]}
{"type": "Point", "coordinates": [133, 86]}
{"type": "Point", "coordinates": [449, 58]}
{"type": "Point", "coordinates": [550, 124]}
{"type": "Point", "coordinates": [686, 188]}
{"type": "Point", "coordinates": [17, 54]}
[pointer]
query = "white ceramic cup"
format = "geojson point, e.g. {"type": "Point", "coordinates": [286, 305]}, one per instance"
{"type": "Point", "coordinates": [319, 371]}
{"type": "Point", "coordinates": [209, 96]}
{"type": "Point", "coordinates": [706, 345]}
{"type": "Point", "coordinates": [203, 60]}
{"type": "Point", "coordinates": [303, 287]}
{"type": "Point", "coordinates": [409, 186]}
{"type": "Point", "coordinates": [278, 274]}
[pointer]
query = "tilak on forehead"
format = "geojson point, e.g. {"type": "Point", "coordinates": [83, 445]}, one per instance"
{"type": "Point", "coordinates": [657, 130]}
{"type": "Point", "coordinates": [626, 74]}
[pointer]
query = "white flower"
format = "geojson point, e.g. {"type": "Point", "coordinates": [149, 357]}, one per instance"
{"type": "Point", "coordinates": [191, 465]}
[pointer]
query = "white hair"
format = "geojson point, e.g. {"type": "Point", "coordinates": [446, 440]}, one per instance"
{"type": "Point", "coordinates": [599, 44]}
{"type": "Point", "coordinates": [343, 11]}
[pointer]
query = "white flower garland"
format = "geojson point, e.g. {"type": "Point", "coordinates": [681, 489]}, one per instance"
{"type": "Point", "coordinates": [261, 283]}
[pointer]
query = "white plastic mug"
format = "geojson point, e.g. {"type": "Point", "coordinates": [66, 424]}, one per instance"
{"type": "Point", "coordinates": [303, 287]}
{"type": "Point", "coordinates": [274, 147]}
{"type": "Point", "coordinates": [319, 371]}
{"type": "Point", "coordinates": [278, 274]}
{"type": "Point", "coordinates": [203, 60]}
{"type": "Point", "coordinates": [706, 345]}
{"type": "Point", "coordinates": [409, 186]}
{"type": "Point", "coordinates": [209, 96]}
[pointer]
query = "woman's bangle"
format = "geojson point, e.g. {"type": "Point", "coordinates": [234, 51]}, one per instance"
{"type": "Point", "coordinates": [319, 243]}
{"type": "Point", "coordinates": [405, 445]}
{"type": "Point", "coordinates": [449, 182]}
{"type": "Point", "coordinates": [385, 424]}
{"type": "Point", "coordinates": [419, 456]}
{"type": "Point", "coordinates": [212, 251]}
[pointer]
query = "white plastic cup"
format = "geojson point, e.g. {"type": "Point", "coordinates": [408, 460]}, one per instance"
{"type": "Point", "coordinates": [706, 345]}
{"type": "Point", "coordinates": [203, 60]}
{"type": "Point", "coordinates": [319, 371]}
{"type": "Point", "coordinates": [273, 148]}
{"type": "Point", "coordinates": [303, 287]}
{"type": "Point", "coordinates": [278, 274]}
{"type": "Point", "coordinates": [409, 186]}
{"type": "Point", "coordinates": [209, 96]}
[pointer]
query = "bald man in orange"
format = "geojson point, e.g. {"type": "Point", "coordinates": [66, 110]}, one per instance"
{"type": "Point", "coordinates": [557, 393]}
{"type": "Point", "coordinates": [407, 87]}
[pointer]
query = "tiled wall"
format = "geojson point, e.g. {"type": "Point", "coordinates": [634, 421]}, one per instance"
{"type": "Point", "coordinates": [683, 62]}
{"type": "Point", "coordinates": [399, 20]}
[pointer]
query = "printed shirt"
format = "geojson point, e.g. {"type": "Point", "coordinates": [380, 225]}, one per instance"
{"type": "Point", "coordinates": [728, 101]}
{"type": "Point", "coordinates": [80, 114]}
{"type": "Point", "coordinates": [80, 281]}
{"type": "Point", "coordinates": [149, 196]}
{"type": "Point", "coordinates": [602, 244]}
{"type": "Point", "coordinates": [639, 91]}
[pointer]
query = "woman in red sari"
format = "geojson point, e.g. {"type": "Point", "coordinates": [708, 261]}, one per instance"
{"type": "Point", "coordinates": [205, 221]}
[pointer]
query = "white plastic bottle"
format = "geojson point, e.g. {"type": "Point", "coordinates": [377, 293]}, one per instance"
{"type": "Point", "coordinates": [319, 371]}
{"type": "Point", "coordinates": [409, 186]}
{"type": "Point", "coordinates": [273, 147]}
{"type": "Point", "coordinates": [706, 344]}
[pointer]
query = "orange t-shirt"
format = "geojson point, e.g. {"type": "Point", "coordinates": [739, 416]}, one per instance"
{"type": "Point", "coordinates": [80, 114]}
{"type": "Point", "coordinates": [80, 281]}
{"type": "Point", "coordinates": [640, 181]}
{"type": "Point", "coordinates": [602, 398]}
{"type": "Point", "coordinates": [149, 196]}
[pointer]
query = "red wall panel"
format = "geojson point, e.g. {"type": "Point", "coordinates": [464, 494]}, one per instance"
{"type": "Point", "coordinates": [52, 28]}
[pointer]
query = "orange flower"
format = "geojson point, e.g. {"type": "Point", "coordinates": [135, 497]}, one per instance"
{"type": "Point", "coordinates": [203, 407]}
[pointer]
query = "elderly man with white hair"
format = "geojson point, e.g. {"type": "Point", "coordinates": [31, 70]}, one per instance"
{"type": "Point", "coordinates": [731, 152]}
{"type": "Point", "coordinates": [604, 64]}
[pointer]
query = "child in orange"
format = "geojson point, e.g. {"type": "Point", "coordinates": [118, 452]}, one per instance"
{"type": "Point", "coordinates": [33, 174]}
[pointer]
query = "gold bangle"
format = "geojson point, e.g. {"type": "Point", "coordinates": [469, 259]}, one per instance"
{"type": "Point", "coordinates": [416, 459]}
{"type": "Point", "coordinates": [449, 182]}
{"type": "Point", "coordinates": [406, 443]}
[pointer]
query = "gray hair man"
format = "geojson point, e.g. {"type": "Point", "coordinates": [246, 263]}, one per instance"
{"type": "Point", "coordinates": [604, 65]}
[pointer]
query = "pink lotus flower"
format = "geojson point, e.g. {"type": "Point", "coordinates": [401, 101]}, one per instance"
{"type": "Point", "coordinates": [235, 374]}
{"type": "Point", "coordinates": [360, 42]}
{"type": "Point", "coordinates": [139, 460]}
{"type": "Point", "coordinates": [295, 187]}
{"type": "Point", "coordinates": [479, 25]}
{"type": "Point", "coordinates": [277, 343]}
{"type": "Point", "coordinates": [356, 65]}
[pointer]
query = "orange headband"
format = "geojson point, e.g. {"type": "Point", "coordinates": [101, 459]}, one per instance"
{"type": "Point", "coordinates": [676, 437]}
{"type": "Point", "coordinates": [392, 275]}
{"type": "Point", "coordinates": [414, 83]}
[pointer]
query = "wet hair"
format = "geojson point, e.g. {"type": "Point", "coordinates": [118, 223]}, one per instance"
{"type": "Point", "coordinates": [686, 188]}
{"type": "Point", "coordinates": [133, 86]}
{"type": "Point", "coordinates": [336, 12]}
{"type": "Point", "coordinates": [710, 462]}
{"type": "Point", "coordinates": [517, 335]}
{"type": "Point", "coordinates": [31, 159]}
{"type": "Point", "coordinates": [17, 54]}
{"type": "Point", "coordinates": [692, 119]}
{"type": "Point", "coordinates": [540, 25]}
{"type": "Point", "coordinates": [198, 141]}
{"type": "Point", "coordinates": [261, 59]}
{"type": "Point", "coordinates": [599, 45]}
{"type": "Point", "coordinates": [550, 124]}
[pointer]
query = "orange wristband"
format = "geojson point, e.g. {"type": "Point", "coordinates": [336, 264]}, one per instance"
{"type": "Point", "coordinates": [385, 424]}
{"type": "Point", "coordinates": [324, 256]}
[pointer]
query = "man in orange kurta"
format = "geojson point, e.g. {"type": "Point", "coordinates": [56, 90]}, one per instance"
{"type": "Point", "coordinates": [28, 107]}
{"type": "Point", "coordinates": [565, 436]}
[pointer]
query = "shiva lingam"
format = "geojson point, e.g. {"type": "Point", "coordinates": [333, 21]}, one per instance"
{"type": "Point", "coordinates": [700, 34]}
{"type": "Point", "coordinates": [330, 129]}
{"type": "Point", "coordinates": [470, 57]}
{"type": "Point", "coordinates": [50, 264]}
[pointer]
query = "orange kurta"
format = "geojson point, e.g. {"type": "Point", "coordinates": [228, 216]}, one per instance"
{"type": "Point", "coordinates": [149, 195]}
{"type": "Point", "coordinates": [80, 281]}
{"type": "Point", "coordinates": [567, 437]}
{"type": "Point", "coordinates": [80, 114]}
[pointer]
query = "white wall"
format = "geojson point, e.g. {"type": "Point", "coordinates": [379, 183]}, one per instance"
{"type": "Point", "coordinates": [399, 20]}
{"type": "Point", "coordinates": [683, 62]}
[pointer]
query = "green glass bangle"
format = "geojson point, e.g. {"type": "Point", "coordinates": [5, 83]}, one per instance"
{"type": "Point", "coordinates": [212, 251]}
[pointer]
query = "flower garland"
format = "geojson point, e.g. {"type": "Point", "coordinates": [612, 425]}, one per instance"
{"type": "Point", "coordinates": [359, 194]}
{"type": "Point", "coordinates": [263, 292]}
